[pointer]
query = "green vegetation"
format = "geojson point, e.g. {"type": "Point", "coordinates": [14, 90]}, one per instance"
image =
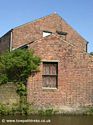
{"type": "Point", "coordinates": [16, 66]}
{"type": "Point", "coordinates": [89, 111]}
{"type": "Point", "coordinates": [24, 109]}
{"type": "Point", "coordinates": [46, 112]}
{"type": "Point", "coordinates": [15, 109]}
{"type": "Point", "coordinates": [21, 89]}
{"type": "Point", "coordinates": [27, 109]}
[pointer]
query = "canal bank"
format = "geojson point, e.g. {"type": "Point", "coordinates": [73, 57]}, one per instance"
{"type": "Point", "coordinates": [24, 108]}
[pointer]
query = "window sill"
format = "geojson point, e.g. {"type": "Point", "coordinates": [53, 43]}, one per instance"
{"type": "Point", "coordinates": [50, 61]}
{"type": "Point", "coordinates": [48, 88]}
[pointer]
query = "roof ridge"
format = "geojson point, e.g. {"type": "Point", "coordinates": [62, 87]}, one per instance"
{"type": "Point", "coordinates": [58, 36]}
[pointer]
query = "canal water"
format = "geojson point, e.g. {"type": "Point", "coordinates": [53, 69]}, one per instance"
{"type": "Point", "coordinates": [50, 120]}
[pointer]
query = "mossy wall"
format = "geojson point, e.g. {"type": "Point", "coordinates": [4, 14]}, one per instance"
{"type": "Point", "coordinates": [8, 94]}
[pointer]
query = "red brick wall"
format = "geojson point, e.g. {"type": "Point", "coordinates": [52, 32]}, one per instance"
{"type": "Point", "coordinates": [75, 75]}
{"type": "Point", "coordinates": [5, 42]}
{"type": "Point", "coordinates": [33, 31]}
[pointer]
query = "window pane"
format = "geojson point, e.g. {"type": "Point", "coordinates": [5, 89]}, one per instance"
{"type": "Point", "coordinates": [50, 70]}
{"type": "Point", "coordinates": [49, 81]}
{"type": "Point", "coordinates": [52, 82]}
{"type": "Point", "coordinates": [53, 69]}
{"type": "Point", "coordinates": [46, 69]}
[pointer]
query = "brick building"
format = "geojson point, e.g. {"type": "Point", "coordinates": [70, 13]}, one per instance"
{"type": "Point", "coordinates": [66, 70]}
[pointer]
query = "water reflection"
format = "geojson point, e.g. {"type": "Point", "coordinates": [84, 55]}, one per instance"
{"type": "Point", "coordinates": [50, 120]}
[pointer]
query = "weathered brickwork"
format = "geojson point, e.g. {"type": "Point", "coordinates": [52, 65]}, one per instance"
{"type": "Point", "coordinates": [33, 31]}
{"type": "Point", "coordinates": [75, 65]}
{"type": "Point", "coordinates": [75, 75]}
{"type": "Point", "coordinates": [5, 42]}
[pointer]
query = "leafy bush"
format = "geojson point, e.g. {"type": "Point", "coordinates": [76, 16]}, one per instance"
{"type": "Point", "coordinates": [21, 89]}
{"type": "Point", "coordinates": [4, 110]}
{"type": "Point", "coordinates": [16, 66]}
{"type": "Point", "coordinates": [3, 78]}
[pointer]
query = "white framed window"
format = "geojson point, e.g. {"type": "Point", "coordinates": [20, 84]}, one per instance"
{"type": "Point", "coordinates": [46, 33]}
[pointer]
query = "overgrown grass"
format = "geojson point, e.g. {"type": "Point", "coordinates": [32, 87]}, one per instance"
{"type": "Point", "coordinates": [46, 112]}
{"type": "Point", "coordinates": [7, 110]}
{"type": "Point", "coordinates": [89, 111]}
{"type": "Point", "coordinates": [27, 109]}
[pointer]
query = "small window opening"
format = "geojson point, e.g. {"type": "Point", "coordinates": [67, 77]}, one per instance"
{"type": "Point", "coordinates": [24, 46]}
{"type": "Point", "coordinates": [64, 34]}
{"type": "Point", "coordinates": [46, 33]}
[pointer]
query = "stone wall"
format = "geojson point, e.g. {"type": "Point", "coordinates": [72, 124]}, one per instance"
{"type": "Point", "coordinates": [8, 94]}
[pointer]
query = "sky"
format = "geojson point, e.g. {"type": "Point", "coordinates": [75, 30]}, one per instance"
{"type": "Point", "coordinates": [77, 13]}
